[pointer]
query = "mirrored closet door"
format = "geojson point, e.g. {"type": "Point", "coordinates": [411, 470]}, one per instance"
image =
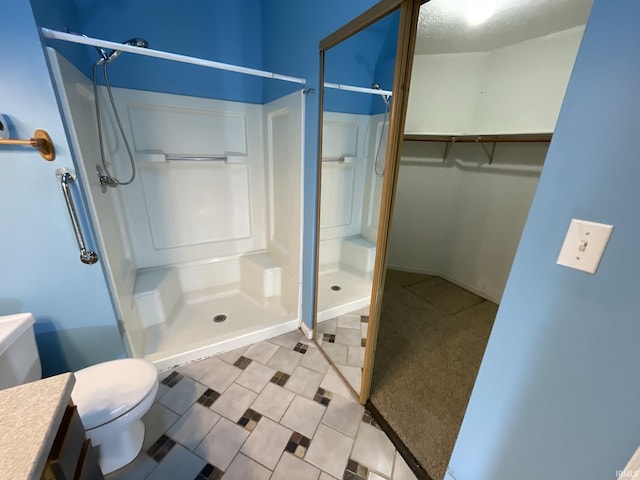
{"type": "Point", "coordinates": [361, 108]}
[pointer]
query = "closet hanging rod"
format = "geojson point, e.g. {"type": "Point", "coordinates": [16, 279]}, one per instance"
{"type": "Point", "coordinates": [351, 88]}
{"type": "Point", "coordinates": [95, 42]}
{"type": "Point", "coordinates": [501, 138]}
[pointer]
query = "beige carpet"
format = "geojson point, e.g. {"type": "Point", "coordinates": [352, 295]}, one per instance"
{"type": "Point", "coordinates": [430, 343]}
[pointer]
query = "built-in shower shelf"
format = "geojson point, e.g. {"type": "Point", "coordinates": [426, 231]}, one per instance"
{"type": "Point", "coordinates": [358, 253]}
{"type": "Point", "coordinates": [157, 295]}
{"type": "Point", "coordinates": [261, 276]}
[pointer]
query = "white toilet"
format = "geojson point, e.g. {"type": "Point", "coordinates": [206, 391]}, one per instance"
{"type": "Point", "coordinates": [111, 397]}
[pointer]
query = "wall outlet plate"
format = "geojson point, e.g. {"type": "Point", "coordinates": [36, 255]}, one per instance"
{"type": "Point", "coordinates": [584, 245]}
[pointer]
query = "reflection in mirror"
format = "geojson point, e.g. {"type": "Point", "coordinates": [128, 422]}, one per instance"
{"type": "Point", "coordinates": [459, 208]}
{"type": "Point", "coordinates": [356, 104]}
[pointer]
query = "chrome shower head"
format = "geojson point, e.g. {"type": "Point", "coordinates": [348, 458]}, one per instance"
{"type": "Point", "coordinates": [137, 42]}
{"type": "Point", "coordinates": [134, 42]}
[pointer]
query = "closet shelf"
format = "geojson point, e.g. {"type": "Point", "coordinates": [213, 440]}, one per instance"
{"type": "Point", "coordinates": [450, 140]}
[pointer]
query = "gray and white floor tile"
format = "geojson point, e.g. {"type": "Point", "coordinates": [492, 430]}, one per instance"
{"type": "Point", "coordinates": [222, 443]}
{"type": "Point", "coordinates": [234, 402]}
{"type": "Point", "coordinates": [273, 411]}
{"type": "Point", "coordinates": [256, 376]}
{"type": "Point", "coordinates": [273, 401]}
{"type": "Point", "coordinates": [179, 463]}
{"type": "Point", "coordinates": [303, 415]}
{"type": "Point", "coordinates": [314, 360]}
{"type": "Point", "coordinates": [291, 467]}
{"type": "Point", "coordinates": [344, 415]}
{"type": "Point", "coordinates": [344, 339]}
{"type": "Point", "coordinates": [304, 382]}
{"type": "Point", "coordinates": [182, 395]}
{"type": "Point", "coordinates": [220, 374]}
{"type": "Point", "coordinates": [243, 468]}
{"type": "Point", "coordinates": [193, 426]}
{"type": "Point", "coordinates": [329, 451]}
{"type": "Point", "coordinates": [373, 449]}
{"type": "Point", "coordinates": [267, 442]}
{"type": "Point", "coordinates": [157, 421]}
{"type": "Point", "coordinates": [285, 360]}
{"type": "Point", "coordinates": [261, 352]}
{"type": "Point", "coordinates": [232, 356]}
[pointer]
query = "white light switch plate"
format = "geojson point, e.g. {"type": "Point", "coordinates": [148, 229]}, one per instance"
{"type": "Point", "coordinates": [584, 245]}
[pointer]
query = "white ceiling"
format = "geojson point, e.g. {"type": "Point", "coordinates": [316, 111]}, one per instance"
{"type": "Point", "coordinates": [443, 27]}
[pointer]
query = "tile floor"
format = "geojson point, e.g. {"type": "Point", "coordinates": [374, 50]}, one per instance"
{"type": "Point", "coordinates": [344, 338]}
{"type": "Point", "coordinates": [274, 410]}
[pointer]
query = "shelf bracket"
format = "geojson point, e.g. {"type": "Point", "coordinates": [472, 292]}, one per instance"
{"type": "Point", "coordinates": [489, 152]}
{"type": "Point", "coordinates": [447, 149]}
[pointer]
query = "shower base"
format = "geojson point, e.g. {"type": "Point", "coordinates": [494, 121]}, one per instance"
{"type": "Point", "coordinates": [354, 292]}
{"type": "Point", "coordinates": [192, 333]}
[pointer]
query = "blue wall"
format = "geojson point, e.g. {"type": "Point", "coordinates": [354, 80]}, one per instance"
{"type": "Point", "coordinates": [229, 32]}
{"type": "Point", "coordinates": [40, 267]}
{"type": "Point", "coordinates": [62, 15]}
{"type": "Point", "coordinates": [558, 392]}
{"type": "Point", "coordinates": [237, 32]}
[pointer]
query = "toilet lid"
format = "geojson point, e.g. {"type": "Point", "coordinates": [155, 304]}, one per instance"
{"type": "Point", "coordinates": [108, 390]}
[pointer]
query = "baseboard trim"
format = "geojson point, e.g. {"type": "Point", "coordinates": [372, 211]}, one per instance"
{"type": "Point", "coordinates": [417, 469]}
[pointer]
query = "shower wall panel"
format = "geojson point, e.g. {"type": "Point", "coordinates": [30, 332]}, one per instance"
{"type": "Point", "coordinates": [233, 197]}
{"type": "Point", "coordinates": [192, 210]}
{"type": "Point", "coordinates": [284, 121]}
{"type": "Point", "coordinates": [345, 139]}
{"type": "Point", "coordinates": [196, 203]}
{"type": "Point", "coordinates": [373, 188]}
{"type": "Point", "coordinates": [76, 98]}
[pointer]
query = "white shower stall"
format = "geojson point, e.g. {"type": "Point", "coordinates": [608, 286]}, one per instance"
{"type": "Point", "coordinates": [202, 251]}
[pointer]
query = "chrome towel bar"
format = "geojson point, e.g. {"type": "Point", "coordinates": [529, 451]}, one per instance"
{"type": "Point", "coordinates": [67, 176]}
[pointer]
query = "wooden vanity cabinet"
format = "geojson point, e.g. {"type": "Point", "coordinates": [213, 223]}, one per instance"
{"type": "Point", "coordinates": [72, 456]}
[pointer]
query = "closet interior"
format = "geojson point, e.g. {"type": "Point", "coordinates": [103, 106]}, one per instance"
{"type": "Point", "coordinates": [481, 114]}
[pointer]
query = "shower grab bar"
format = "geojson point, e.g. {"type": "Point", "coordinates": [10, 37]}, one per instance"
{"type": "Point", "coordinates": [67, 176]}
{"type": "Point", "coordinates": [149, 52]}
{"type": "Point", "coordinates": [197, 158]}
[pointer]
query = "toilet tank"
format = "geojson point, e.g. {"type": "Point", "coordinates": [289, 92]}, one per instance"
{"type": "Point", "coordinates": [19, 357]}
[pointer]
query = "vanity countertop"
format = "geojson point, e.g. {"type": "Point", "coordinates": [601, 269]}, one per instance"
{"type": "Point", "coordinates": [29, 419]}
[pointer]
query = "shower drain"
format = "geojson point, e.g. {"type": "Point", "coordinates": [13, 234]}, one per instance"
{"type": "Point", "coordinates": [219, 318]}
{"type": "Point", "coordinates": [336, 288]}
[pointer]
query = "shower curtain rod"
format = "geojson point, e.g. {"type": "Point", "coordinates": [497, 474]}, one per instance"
{"type": "Point", "coordinates": [351, 88]}
{"type": "Point", "coordinates": [95, 42]}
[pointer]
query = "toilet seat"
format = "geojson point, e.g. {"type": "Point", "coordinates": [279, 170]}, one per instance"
{"type": "Point", "coordinates": [110, 390]}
